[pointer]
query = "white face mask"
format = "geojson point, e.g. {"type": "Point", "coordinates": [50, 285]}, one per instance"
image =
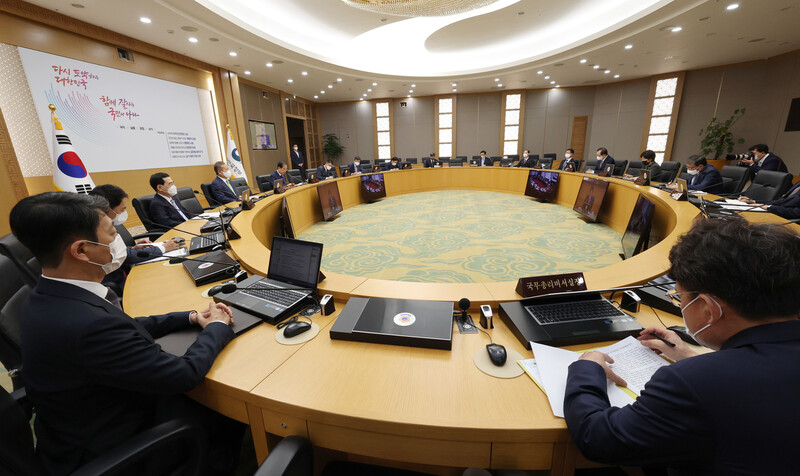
{"type": "Point", "coordinates": [692, 171]}
{"type": "Point", "coordinates": [295, 149]}
{"type": "Point", "coordinates": [524, 156]}
{"type": "Point", "coordinates": [227, 174]}
{"type": "Point", "coordinates": [694, 334]}
{"type": "Point", "coordinates": [327, 167]}
{"type": "Point", "coordinates": [357, 163]}
{"type": "Point", "coordinates": [568, 155]}
{"type": "Point", "coordinates": [118, 254]}
{"type": "Point", "coordinates": [172, 190]}
{"type": "Point", "coordinates": [120, 218]}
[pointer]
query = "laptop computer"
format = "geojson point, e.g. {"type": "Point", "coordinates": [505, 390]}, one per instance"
{"type": "Point", "coordinates": [474, 162]}
{"type": "Point", "coordinates": [567, 319]}
{"type": "Point", "coordinates": [214, 266]}
{"type": "Point", "coordinates": [292, 264]}
{"type": "Point", "coordinates": [405, 165]}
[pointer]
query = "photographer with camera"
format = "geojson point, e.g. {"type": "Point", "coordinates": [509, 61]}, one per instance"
{"type": "Point", "coordinates": [759, 158]}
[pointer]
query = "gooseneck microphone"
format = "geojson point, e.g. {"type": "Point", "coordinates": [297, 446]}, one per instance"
{"type": "Point", "coordinates": [464, 304]}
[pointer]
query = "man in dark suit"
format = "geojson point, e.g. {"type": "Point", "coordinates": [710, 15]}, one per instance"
{"type": "Point", "coordinates": [603, 159]}
{"type": "Point", "coordinates": [221, 189]}
{"type": "Point", "coordinates": [428, 162]}
{"type": "Point", "coordinates": [142, 251]}
{"type": "Point", "coordinates": [298, 161]}
{"type": "Point", "coordinates": [280, 174]}
{"type": "Point", "coordinates": [485, 161]}
{"type": "Point", "coordinates": [394, 164]}
{"type": "Point", "coordinates": [763, 160]}
{"type": "Point", "coordinates": [786, 206]}
{"type": "Point", "coordinates": [95, 375]}
{"type": "Point", "coordinates": [355, 167]}
{"type": "Point", "coordinates": [704, 177]}
{"type": "Point", "coordinates": [165, 209]}
{"type": "Point", "coordinates": [326, 171]}
{"type": "Point", "coordinates": [648, 158]}
{"type": "Point", "coordinates": [568, 158]}
{"type": "Point", "coordinates": [526, 160]}
{"type": "Point", "coordinates": [725, 412]}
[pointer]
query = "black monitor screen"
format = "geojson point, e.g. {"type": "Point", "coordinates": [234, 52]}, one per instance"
{"type": "Point", "coordinates": [636, 234]}
{"type": "Point", "coordinates": [295, 262]}
{"type": "Point", "coordinates": [329, 200]}
{"type": "Point", "coordinates": [542, 185]}
{"type": "Point", "coordinates": [286, 221]}
{"type": "Point", "coordinates": [590, 197]}
{"type": "Point", "coordinates": [373, 187]}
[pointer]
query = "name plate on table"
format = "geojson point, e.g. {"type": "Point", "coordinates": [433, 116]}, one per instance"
{"type": "Point", "coordinates": [554, 283]}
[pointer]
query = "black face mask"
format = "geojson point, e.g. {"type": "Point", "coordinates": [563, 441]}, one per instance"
{"type": "Point", "coordinates": [645, 163]}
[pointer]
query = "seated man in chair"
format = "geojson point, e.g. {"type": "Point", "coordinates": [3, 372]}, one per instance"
{"type": "Point", "coordinates": [165, 209]}
{"type": "Point", "coordinates": [221, 189]}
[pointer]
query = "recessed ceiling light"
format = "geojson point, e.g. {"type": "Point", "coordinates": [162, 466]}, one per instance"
{"type": "Point", "coordinates": [552, 82]}
{"type": "Point", "coordinates": [606, 71]}
{"type": "Point", "coordinates": [369, 90]}
{"type": "Point", "coordinates": [365, 94]}
{"type": "Point", "coordinates": [499, 85]}
{"type": "Point", "coordinates": [192, 39]}
{"type": "Point", "coordinates": [145, 20]}
{"type": "Point", "coordinates": [360, 99]}
{"type": "Point", "coordinates": [454, 90]}
{"type": "Point", "coordinates": [330, 86]}
{"type": "Point", "coordinates": [547, 77]}
{"type": "Point", "coordinates": [583, 61]}
{"type": "Point", "coordinates": [233, 53]}
{"type": "Point", "coordinates": [616, 76]}
{"type": "Point", "coordinates": [304, 73]}
{"type": "Point", "coordinates": [539, 72]}
{"type": "Point", "coordinates": [247, 72]}
{"type": "Point", "coordinates": [374, 84]}
{"type": "Point", "coordinates": [409, 95]}
{"type": "Point", "coordinates": [558, 86]}
{"type": "Point", "coordinates": [454, 85]}
{"type": "Point", "coordinates": [290, 80]}
{"type": "Point", "coordinates": [627, 47]}
{"type": "Point", "coordinates": [732, 6]}
{"type": "Point", "coordinates": [676, 29]}
{"type": "Point", "coordinates": [321, 91]}
{"type": "Point", "coordinates": [496, 80]}
{"type": "Point", "coordinates": [316, 97]}
{"type": "Point", "coordinates": [411, 90]}
{"type": "Point", "coordinates": [269, 65]}
{"type": "Point", "coordinates": [338, 80]}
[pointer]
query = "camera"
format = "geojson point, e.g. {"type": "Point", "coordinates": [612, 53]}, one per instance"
{"type": "Point", "coordinates": [747, 155]}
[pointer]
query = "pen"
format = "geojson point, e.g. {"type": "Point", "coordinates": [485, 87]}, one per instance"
{"type": "Point", "coordinates": [662, 339]}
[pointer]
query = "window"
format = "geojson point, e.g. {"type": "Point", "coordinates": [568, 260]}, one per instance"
{"type": "Point", "coordinates": [383, 130]}
{"type": "Point", "coordinates": [665, 94]}
{"type": "Point", "coordinates": [512, 123]}
{"type": "Point", "coordinates": [445, 126]}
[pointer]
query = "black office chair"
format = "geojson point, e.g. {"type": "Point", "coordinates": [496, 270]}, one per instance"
{"type": "Point", "coordinates": [550, 156]}
{"type": "Point", "coordinates": [239, 185]}
{"type": "Point", "coordinates": [142, 207]}
{"type": "Point", "coordinates": [412, 160]}
{"type": "Point", "coordinates": [506, 161]}
{"type": "Point", "coordinates": [456, 162]}
{"type": "Point", "coordinates": [513, 157]}
{"type": "Point", "coordinates": [19, 254]}
{"type": "Point", "coordinates": [736, 178]}
{"type": "Point", "coordinates": [496, 161]}
{"type": "Point", "coordinates": [145, 450]}
{"type": "Point", "coordinates": [590, 164]}
{"type": "Point", "coordinates": [366, 161]}
{"type": "Point", "coordinates": [462, 158]}
{"type": "Point", "coordinates": [294, 176]}
{"type": "Point", "coordinates": [634, 167]}
{"type": "Point", "coordinates": [545, 163]}
{"type": "Point", "coordinates": [13, 293]}
{"type": "Point", "coordinates": [444, 160]}
{"type": "Point", "coordinates": [669, 170]}
{"type": "Point", "coordinates": [619, 168]}
{"type": "Point", "coordinates": [263, 183]}
{"type": "Point", "coordinates": [189, 201]}
{"type": "Point", "coordinates": [768, 185]}
{"type": "Point", "coordinates": [206, 189]}
{"type": "Point", "coordinates": [130, 240]}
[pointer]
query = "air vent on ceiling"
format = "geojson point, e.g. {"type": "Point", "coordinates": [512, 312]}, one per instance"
{"type": "Point", "coordinates": [264, 94]}
{"type": "Point", "coordinates": [125, 55]}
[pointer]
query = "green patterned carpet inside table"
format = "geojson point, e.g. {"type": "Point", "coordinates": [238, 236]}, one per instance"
{"type": "Point", "coordinates": [462, 236]}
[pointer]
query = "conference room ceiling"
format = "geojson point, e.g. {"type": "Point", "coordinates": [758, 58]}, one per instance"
{"type": "Point", "coordinates": [328, 49]}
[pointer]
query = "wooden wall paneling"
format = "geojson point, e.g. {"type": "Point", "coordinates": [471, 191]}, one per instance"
{"type": "Point", "coordinates": [578, 141]}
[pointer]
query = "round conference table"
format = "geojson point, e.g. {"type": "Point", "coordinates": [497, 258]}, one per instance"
{"type": "Point", "coordinates": [425, 408]}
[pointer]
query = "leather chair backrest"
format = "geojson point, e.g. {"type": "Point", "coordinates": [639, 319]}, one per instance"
{"type": "Point", "coordinates": [619, 167]}
{"type": "Point", "coordinates": [27, 264]}
{"type": "Point", "coordinates": [768, 185]}
{"type": "Point", "coordinates": [13, 293]}
{"type": "Point", "coordinates": [264, 183]}
{"type": "Point", "coordinates": [590, 164]}
{"type": "Point", "coordinates": [412, 160]}
{"type": "Point", "coordinates": [669, 170]}
{"type": "Point", "coordinates": [737, 178]}
{"type": "Point", "coordinates": [634, 167]}
{"type": "Point", "coordinates": [142, 207]}
{"type": "Point", "coordinates": [238, 182]}
{"type": "Point", "coordinates": [546, 163]}
{"type": "Point", "coordinates": [206, 189]}
{"type": "Point", "coordinates": [190, 201]}
{"type": "Point", "coordinates": [17, 454]}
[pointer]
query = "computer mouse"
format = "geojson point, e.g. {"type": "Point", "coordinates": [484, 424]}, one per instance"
{"type": "Point", "coordinates": [296, 328]}
{"type": "Point", "coordinates": [215, 290]}
{"type": "Point", "coordinates": [497, 354]}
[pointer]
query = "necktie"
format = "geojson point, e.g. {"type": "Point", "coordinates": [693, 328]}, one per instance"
{"type": "Point", "coordinates": [177, 208]}
{"type": "Point", "coordinates": [228, 183]}
{"type": "Point", "coordinates": [112, 297]}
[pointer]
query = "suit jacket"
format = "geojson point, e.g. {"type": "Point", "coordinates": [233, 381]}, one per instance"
{"type": "Point", "coordinates": [488, 162]}
{"type": "Point", "coordinates": [771, 162]}
{"type": "Point", "coordinates": [601, 165]}
{"type": "Point", "coordinates": [787, 205]}
{"type": "Point", "coordinates": [690, 415]}
{"type": "Point", "coordinates": [391, 166]}
{"type": "Point", "coordinates": [297, 159]}
{"type": "Point", "coordinates": [355, 168]}
{"type": "Point", "coordinates": [95, 375]}
{"type": "Point", "coordinates": [655, 170]}
{"type": "Point", "coordinates": [530, 162]}
{"type": "Point", "coordinates": [323, 173]}
{"type": "Point", "coordinates": [708, 180]}
{"type": "Point", "coordinates": [427, 162]}
{"type": "Point", "coordinates": [277, 176]}
{"type": "Point", "coordinates": [563, 165]}
{"type": "Point", "coordinates": [163, 213]}
{"type": "Point", "coordinates": [221, 193]}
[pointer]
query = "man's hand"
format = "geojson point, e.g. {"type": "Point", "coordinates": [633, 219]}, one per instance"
{"type": "Point", "coordinates": [746, 199]}
{"type": "Point", "coordinates": [603, 360]}
{"type": "Point", "coordinates": [171, 245]}
{"type": "Point", "coordinates": [748, 161]}
{"type": "Point", "coordinates": [216, 311]}
{"type": "Point", "coordinates": [589, 171]}
{"type": "Point", "coordinates": [679, 352]}
{"type": "Point", "coordinates": [672, 186]}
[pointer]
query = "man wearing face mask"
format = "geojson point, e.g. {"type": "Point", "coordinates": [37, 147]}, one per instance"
{"type": "Point", "coordinates": [142, 251]}
{"type": "Point", "coordinates": [355, 167]}
{"type": "Point", "coordinates": [526, 160]}
{"type": "Point", "coordinates": [298, 162]}
{"type": "Point", "coordinates": [569, 155]}
{"type": "Point", "coordinates": [165, 208]}
{"type": "Point", "coordinates": [221, 189]}
{"type": "Point", "coordinates": [724, 412]}
{"type": "Point", "coordinates": [94, 374]}
{"type": "Point", "coordinates": [326, 171]}
{"type": "Point", "coordinates": [704, 177]}
{"type": "Point", "coordinates": [603, 159]}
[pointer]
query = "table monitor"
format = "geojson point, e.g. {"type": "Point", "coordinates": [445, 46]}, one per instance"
{"type": "Point", "coordinates": [637, 234]}
{"type": "Point", "coordinates": [373, 187]}
{"type": "Point", "coordinates": [542, 185]}
{"type": "Point", "coordinates": [590, 197]}
{"type": "Point", "coordinates": [329, 200]}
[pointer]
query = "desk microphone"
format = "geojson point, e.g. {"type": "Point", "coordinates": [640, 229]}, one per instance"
{"type": "Point", "coordinates": [216, 203]}
{"type": "Point", "coordinates": [464, 304]}
{"type": "Point", "coordinates": [166, 228]}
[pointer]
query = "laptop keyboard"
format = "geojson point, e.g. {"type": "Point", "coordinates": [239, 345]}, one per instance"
{"type": "Point", "coordinates": [207, 241]}
{"type": "Point", "coordinates": [282, 297]}
{"type": "Point", "coordinates": [573, 311]}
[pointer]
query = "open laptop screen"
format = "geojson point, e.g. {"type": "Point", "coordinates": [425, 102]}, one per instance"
{"type": "Point", "coordinates": [295, 262]}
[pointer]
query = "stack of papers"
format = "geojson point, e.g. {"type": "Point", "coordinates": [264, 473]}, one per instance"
{"type": "Point", "coordinates": [730, 204]}
{"type": "Point", "coordinates": [169, 254]}
{"type": "Point", "coordinates": [632, 361]}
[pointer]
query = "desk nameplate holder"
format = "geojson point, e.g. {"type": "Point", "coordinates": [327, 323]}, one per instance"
{"type": "Point", "coordinates": [554, 283]}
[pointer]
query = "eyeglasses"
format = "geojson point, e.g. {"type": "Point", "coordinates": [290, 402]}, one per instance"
{"type": "Point", "coordinates": [675, 296]}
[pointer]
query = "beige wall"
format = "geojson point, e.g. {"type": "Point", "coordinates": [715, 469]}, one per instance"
{"type": "Point", "coordinates": [618, 119]}
{"type": "Point", "coordinates": [255, 107]}
{"type": "Point", "coordinates": [478, 126]}
{"type": "Point", "coordinates": [548, 118]}
{"type": "Point", "coordinates": [352, 122]}
{"type": "Point", "coordinates": [764, 88]}
{"type": "Point", "coordinates": [414, 128]}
